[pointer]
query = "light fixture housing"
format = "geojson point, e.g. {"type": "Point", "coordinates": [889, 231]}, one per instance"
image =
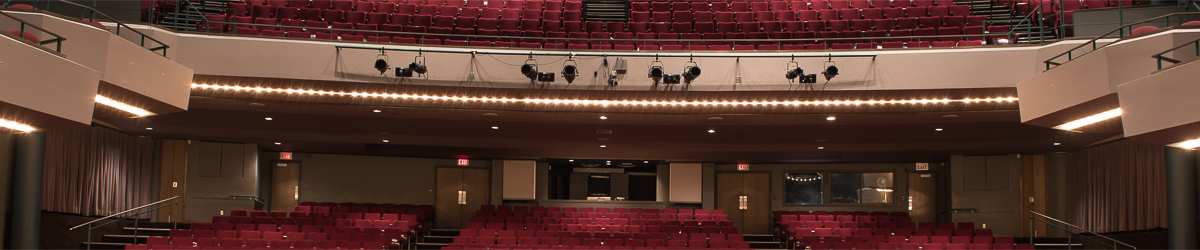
{"type": "Point", "coordinates": [1188, 144]}
{"type": "Point", "coordinates": [793, 73]}
{"type": "Point", "coordinates": [381, 65]}
{"type": "Point", "coordinates": [569, 72]}
{"type": "Point", "coordinates": [122, 106]}
{"type": "Point", "coordinates": [830, 72]}
{"type": "Point", "coordinates": [530, 71]}
{"type": "Point", "coordinates": [831, 118]}
{"type": "Point", "coordinates": [1092, 119]}
{"type": "Point", "coordinates": [16, 126]}
{"type": "Point", "coordinates": [656, 73]}
{"type": "Point", "coordinates": [690, 73]}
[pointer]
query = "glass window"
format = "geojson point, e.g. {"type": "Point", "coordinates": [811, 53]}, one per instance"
{"type": "Point", "coordinates": [861, 187]}
{"type": "Point", "coordinates": [802, 188]}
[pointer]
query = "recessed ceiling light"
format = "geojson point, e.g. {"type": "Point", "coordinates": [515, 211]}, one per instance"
{"type": "Point", "coordinates": [278, 143]}
{"type": "Point", "coordinates": [950, 116]}
{"type": "Point", "coordinates": [938, 129]}
{"type": "Point", "coordinates": [646, 162]}
{"type": "Point", "coordinates": [603, 117]}
{"type": "Point", "coordinates": [378, 111]}
{"type": "Point", "coordinates": [571, 160]}
{"type": "Point", "coordinates": [16, 126]}
{"type": "Point", "coordinates": [710, 131]}
{"type": "Point", "coordinates": [268, 118]}
{"type": "Point", "coordinates": [820, 147]}
{"type": "Point", "coordinates": [830, 118]}
{"type": "Point", "coordinates": [716, 118]}
{"type": "Point", "coordinates": [495, 127]}
{"type": "Point", "coordinates": [1056, 144]}
{"type": "Point", "coordinates": [603, 146]}
{"type": "Point", "coordinates": [1188, 144]}
{"type": "Point", "coordinates": [149, 128]}
{"type": "Point", "coordinates": [385, 140]}
{"type": "Point", "coordinates": [257, 105]}
{"type": "Point", "coordinates": [607, 161]}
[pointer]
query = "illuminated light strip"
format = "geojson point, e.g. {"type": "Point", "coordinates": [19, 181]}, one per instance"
{"type": "Point", "coordinates": [122, 106]}
{"type": "Point", "coordinates": [16, 126]}
{"type": "Point", "coordinates": [1090, 119]}
{"type": "Point", "coordinates": [1189, 144]}
{"type": "Point", "coordinates": [594, 102]}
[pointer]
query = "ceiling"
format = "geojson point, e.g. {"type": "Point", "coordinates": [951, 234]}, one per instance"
{"type": "Point", "coordinates": [749, 134]}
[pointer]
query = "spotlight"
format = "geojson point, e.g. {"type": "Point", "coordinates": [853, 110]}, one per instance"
{"type": "Point", "coordinates": [530, 71]}
{"type": "Point", "coordinates": [381, 65]}
{"type": "Point", "coordinates": [569, 72]}
{"type": "Point", "coordinates": [656, 72]}
{"type": "Point", "coordinates": [793, 73]}
{"type": "Point", "coordinates": [690, 73]}
{"type": "Point", "coordinates": [417, 66]}
{"type": "Point", "coordinates": [830, 72]}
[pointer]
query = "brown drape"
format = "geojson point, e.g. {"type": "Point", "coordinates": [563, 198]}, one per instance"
{"type": "Point", "coordinates": [95, 171]}
{"type": "Point", "coordinates": [1119, 186]}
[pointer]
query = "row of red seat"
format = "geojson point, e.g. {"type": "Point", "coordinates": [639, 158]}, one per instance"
{"type": "Point", "coordinates": [233, 243]}
{"type": "Point", "coordinates": [507, 247]}
{"type": "Point", "coordinates": [907, 239]}
{"type": "Point", "coordinates": [916, 246]}
{"type": "Point", "coordinates": [596, 235]}
{"type": "Point", "coordinates": [368, 6]}
{"type": "Point", "coordinates": [743, 5]}
{"type": "Point", "coordinates": [511, 242]}
{"type": "Point", "coordinates": [496, 210]}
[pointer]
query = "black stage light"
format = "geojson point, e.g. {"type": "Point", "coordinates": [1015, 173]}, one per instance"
{"type": "Point", "coordinates": [793, 73]}
{"type": "Point", "coordinates": [569, 72]}
{"type": "Point", "coordinates": [656, 73]}
{"type": "Point", "coordinates": [690, 73]}
{"type": "Point", "coordinates": [530, 71]}
{"type": "Point", "coordinates": [418, 68]}
{"type": "Point", "coordinates": [381, 65]}
{"type": "Point", "coordinates": [830, 72]}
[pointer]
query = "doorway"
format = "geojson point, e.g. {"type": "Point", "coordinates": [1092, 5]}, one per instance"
{"type": "Point", "coordinates": [922, 197]}
{"type": "Point", "coordinates": [460, 192]}
{"type": "Point", "coordinates": [285, 186]}
{"type": "Point", "coordinates": [745, 197]}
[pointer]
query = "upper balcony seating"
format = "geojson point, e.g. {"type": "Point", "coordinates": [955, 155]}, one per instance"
{"type": "Point", "coordinates": [539, 22]}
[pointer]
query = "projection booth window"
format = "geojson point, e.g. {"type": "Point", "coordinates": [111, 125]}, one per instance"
{"type": "Point", "coordinates": [860, 187]}
{"type": "Point", "coordinates": [802, 188]}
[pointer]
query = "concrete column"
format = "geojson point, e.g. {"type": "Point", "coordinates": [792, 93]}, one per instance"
{"type": "Point", "coordinates": [1181, 198]}
{"type": "Point", "coordinates": [27, 190]}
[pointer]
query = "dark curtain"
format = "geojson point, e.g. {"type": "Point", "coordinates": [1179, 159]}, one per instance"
{"type": "Point", "coordinates": [1119, 186]}
{"type": "Point", "coordinates": [95, 171]}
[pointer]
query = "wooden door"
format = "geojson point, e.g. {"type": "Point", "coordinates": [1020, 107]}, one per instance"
{"type": "Point", "coordinates": [285, 186]}
{"type": "Point", "coordinates": [757, 215]}
{"type": "Point", "coordinates": [922, 189]}
{"type": "Point", "coordinates": [172, 177]}
{"type": "Point", "coordinates": [473, 184]}
{"type": "Point", "coordinates": [476, 183]}
{"type": "Point", "coordinates": [729, 187]}
{"type": "Point", "coordinates": [448, 213]}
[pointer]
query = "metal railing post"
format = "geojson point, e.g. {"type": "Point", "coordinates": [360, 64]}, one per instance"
{"type": "Point", "coordinates": [89, 238]}
{"type": "Point", "coordinates": [135, 231]}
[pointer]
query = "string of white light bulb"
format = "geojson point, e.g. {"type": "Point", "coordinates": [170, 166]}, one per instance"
{"type": "Point", "coordinates": [594, 102]}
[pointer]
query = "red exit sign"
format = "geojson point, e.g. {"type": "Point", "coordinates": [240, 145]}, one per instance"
{"type": "Point", "coordinates": [463, 162]}
{"type": "Point", "coordinates": [743, 167]}
{"type": "Point", "coordinates": [285, 155]}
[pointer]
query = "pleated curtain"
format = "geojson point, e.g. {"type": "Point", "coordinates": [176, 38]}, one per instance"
{"type": "Point", "coordinates": [1118, 186]}
{"type": "Point", "coordinates": [94, 171]}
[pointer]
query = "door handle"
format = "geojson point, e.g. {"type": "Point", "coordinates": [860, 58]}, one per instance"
{"type": "Point", "coordinates": [742, 200]}
{"type": "Point", "coordinates": [462, 197]}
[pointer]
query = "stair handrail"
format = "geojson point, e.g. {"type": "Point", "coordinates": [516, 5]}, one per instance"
{"type": "Point", "coordinates": [1121, 34]}
{"type": "Point", "coordinates": [162, 46]}
{"type": "Point", "coordinates": [1026, 18]}
{"type": "Point", "coordinates": [1162, 58]}
{"type": "Point", "coordinates": [58, 39]}
{"type": "Point", "coordinates": [173, 219]}
{"type": "Point", "coordinates": [123, 212]}
{"type": "Point", "coordinates": [188, 4]}
{"type": "Point", "coordinates": [1031, 236]}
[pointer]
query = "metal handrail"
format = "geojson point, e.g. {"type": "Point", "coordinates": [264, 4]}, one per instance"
{"type": "Point", "coordinates": [1069, 52]}
{"type": "Point", "coordinates": [1162, 58]}
{"type": "Point", "coordinates": [123, 212]}
{"type": "Point", "coordinates": [57, 38]}
{"type": "Point", "coordinates": [162, 46]}
{"type": "Point", "coordinates": [332, 30]}
{"type": "Point", "coordinates": [189, 5]}
{"type": "Point", "coordinates": [1080, 228]}
{"type": "Point", "coordinates": [1026, 18]}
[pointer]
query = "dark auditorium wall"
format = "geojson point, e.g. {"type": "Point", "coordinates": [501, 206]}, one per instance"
{"type": "Point", "coordinates": [900, 183]}
{"type": "Point", "coordinates": [6, 168]}
{"type": "Point", "coordinates": [375, 179]}
{"type": "Point", "coordinates": [214, 172]}
{"type": "Point", "coordinates": [992, 185]}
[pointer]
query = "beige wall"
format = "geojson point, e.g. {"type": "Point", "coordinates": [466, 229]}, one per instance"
{"type": "Point", "coordinates": [67, 93]}
{"type": "Point", "coordinates": [374, 179]}
{"type": "Point", "coordinates": [899, 180]}
{"type": "Point", "coordinates": [1161, 101]}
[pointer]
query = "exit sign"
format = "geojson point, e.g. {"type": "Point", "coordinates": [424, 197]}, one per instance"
{"type": "Point", "coordinates": [285, 155]}
{"type": "Point", "coordinates": [463, 162]}
{"type": "Point", "coordinates": [924, 166]}
{"type": "Point", "coordinates": [743, 167]}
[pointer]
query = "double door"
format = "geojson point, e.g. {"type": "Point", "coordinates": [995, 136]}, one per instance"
{"type": "Point", "coordinates": [460, 192]}
{"type": "Point", "coordinates": [745, 197]}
